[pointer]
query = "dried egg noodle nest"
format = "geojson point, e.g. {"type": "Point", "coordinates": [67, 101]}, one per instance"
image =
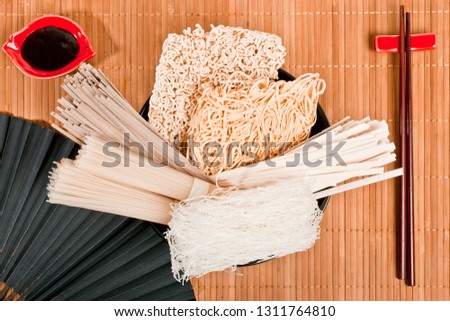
{"type": "Point", "coordinates": [257, 109]}
{"type": "Point", "coordinates": [196, 60]}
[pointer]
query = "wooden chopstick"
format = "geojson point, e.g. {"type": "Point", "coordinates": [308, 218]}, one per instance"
{"type": "Point", "coordinates": [401, 215]}
{"type": "Point", "coordinates": [409, 223]}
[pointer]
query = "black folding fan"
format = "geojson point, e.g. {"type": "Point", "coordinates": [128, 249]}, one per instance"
{"type": "Point", "coordinates": [50, 252]}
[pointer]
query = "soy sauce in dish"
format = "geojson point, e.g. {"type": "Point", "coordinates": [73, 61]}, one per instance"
{"type": "Point", "coordinates": [50, 48]}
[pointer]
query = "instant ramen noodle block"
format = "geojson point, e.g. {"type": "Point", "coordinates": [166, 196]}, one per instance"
{"type": "Point", "coordinates": [196, 60]}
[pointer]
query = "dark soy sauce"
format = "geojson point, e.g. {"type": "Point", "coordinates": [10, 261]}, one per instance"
{"type": "Point", "coordinates": [50, 48]}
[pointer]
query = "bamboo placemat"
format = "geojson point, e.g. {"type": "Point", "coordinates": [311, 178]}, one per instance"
{"type": "Point", "coordinates": [8, 294]}
{"type": "Point", "coordinates": [355, 256]}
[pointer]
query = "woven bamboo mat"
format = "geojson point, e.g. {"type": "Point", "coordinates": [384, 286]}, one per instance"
{"type": "Point", "coordinates": [8, 294]}
{"type": "Point", "coordinates": [355, 256]}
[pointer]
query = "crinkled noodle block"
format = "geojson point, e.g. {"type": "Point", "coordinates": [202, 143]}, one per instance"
{"type": "Point", "coordinates": [197, 60]}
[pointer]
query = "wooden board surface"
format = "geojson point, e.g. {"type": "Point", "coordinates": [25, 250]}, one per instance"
{"type": "Point", "coordinates": [8, 294]}
{"type": "Point", "coordinates": [355, 256]}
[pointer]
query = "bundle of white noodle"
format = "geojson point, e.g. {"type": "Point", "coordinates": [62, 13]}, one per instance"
{"type": "Point", "coordinates": [254, 213]}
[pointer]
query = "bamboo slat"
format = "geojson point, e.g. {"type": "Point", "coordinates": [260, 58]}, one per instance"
{"type": "Point", "coordinates": [8, 294]}
{"type": "Point", "coordinates": [355, 256]}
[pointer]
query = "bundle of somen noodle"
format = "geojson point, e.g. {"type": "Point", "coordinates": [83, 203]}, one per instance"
{"type": "Point", "coordinates": [251, 213]}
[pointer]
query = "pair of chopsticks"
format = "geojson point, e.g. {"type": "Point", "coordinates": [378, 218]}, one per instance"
{"type": "Point", "coordinates": [404, 44]}
{"type": "Point", "coordinates": [405, 244]}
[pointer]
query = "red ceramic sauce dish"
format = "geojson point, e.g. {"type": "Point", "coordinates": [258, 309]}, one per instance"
{"type": "Point", "coordinates": [49, 47]}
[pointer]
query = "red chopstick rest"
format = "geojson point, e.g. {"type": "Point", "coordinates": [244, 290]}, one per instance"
{"type": "Point", "coordinates": [49, 47]}
{"type": "Point", "coordinates": [419, 42]}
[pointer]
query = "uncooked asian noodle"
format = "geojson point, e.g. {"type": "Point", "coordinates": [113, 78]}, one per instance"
{"type": "Point", "coordinates": [266, 211]}
{"type": "Point", "coordinates": [233, 125]}
{"type": "Point", "coordinates": [197, 60]}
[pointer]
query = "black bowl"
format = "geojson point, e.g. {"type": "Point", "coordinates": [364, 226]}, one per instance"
{"type": "Point", "coordinates": [321, 123]}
